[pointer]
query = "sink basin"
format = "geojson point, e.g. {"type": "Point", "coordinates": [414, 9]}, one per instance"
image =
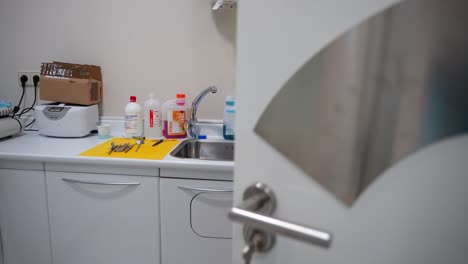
{"type": "Point", "coordinates": [205, 150]}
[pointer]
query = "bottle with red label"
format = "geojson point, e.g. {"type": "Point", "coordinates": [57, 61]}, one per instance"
{"type": "Point", "coordinates": [152, 118]}
{"type": "Point", "coordinates": [174, 116]}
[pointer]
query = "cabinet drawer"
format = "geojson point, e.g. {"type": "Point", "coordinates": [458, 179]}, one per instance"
{"type": "Point", "coordinates": [194, 218]}
{"type": "Point", "coordinates": [24, 225]}
{"type": "Point", "coordinates": [100, 218]}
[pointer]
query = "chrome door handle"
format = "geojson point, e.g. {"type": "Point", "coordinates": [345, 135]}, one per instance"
{"type": "Point", "coordinates": [259, 202]}
{"type": "Point", "coordinates": [196, 189]}
{"type": "Point", "coordinates": [100, 183]}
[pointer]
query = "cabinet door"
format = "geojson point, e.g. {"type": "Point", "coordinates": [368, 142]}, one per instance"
{"type": "Point", "coordinates": [194, 224]}
{"type": "Point", "coordinates": [24, 223]}
{"type": "Point", "coordinates": [102, 219]}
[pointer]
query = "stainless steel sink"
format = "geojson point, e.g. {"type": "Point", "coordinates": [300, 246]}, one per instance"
{"type": "Point", "coordinates": [205, 150]}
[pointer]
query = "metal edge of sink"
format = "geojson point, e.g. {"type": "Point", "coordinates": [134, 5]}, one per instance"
{"type": "Point", "coordinates": [174, 153]}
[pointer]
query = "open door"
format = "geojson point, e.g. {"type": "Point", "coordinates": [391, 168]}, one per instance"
{"type": "Point", "coordinates": [352, 143]}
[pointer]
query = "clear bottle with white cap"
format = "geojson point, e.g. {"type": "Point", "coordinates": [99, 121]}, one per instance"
{"type": "Point", "coordinates": [152, 118]}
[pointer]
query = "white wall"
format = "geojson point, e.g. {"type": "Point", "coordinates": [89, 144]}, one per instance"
{"type": "Point", "coordinates": [141, 45]}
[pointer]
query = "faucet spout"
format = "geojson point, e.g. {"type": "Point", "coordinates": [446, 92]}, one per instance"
{"type": "Point", "coordinates": [193, 119]}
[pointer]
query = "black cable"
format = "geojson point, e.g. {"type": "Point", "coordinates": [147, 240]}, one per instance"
{"type": "Point", "coordinates": [17, 107]}
{"type": "Point", "coordinates": [36, 82]}
{"type": "Point", "coordinates": [23, 80]}
{"type": "Point", "coordinates": [32, 122]}
{"type": "Point", "coordinates": [26, 110]}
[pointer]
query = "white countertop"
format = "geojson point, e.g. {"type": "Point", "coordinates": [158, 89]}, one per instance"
{"type": "Point", "coordinates": [30, 146]}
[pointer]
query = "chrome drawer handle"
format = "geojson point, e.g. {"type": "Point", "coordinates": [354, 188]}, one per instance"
{"type": "Point", "coordinates": [259, 202]}
{"type": "Point", "coordinates": [100, 183]}
{"type": "Point", "coordinates": [196, 189]}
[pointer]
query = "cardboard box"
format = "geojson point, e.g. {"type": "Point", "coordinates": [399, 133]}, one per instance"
{"type": "Point", "coordinates": [71, 83]}
{"type": "Point", "coordinates": [71, 90]}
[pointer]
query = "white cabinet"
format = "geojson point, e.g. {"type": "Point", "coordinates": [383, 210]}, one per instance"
{"type": "Point", "coordinates": [23, 217]}
{"type": "Point", "coordinates": [194, 224]}
{"type": "Point", "coordinates": [102, 218]}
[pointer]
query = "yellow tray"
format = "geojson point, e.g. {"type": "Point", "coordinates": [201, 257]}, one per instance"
{"type": "Point", "coordinates": [146, 151]}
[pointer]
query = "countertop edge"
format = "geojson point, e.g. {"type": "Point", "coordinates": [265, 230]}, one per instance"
{"type": "Point", "coordinates": [221, 166]}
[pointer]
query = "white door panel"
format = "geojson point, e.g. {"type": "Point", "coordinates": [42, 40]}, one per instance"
{"type": "Point", "coordinates": [410, 214]}
{"type": "Point", "coordinates": [401, 218]}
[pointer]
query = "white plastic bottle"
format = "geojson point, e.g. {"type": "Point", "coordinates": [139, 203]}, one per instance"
{"type": "Point", "coordinates": [229, 124]}
{"type": "Point", "coordinates": [152, 108]}
{"type": "Point", "coordinates": [133, 119]}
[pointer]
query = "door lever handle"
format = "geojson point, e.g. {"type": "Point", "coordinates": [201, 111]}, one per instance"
{"type": "Point", "coordinates": [259, 202]}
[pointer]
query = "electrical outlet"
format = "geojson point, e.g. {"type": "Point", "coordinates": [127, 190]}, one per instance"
{"type": "Point", "coordinates": [32, 75]}
{"type": "Point", "coordinates": [29, 82]}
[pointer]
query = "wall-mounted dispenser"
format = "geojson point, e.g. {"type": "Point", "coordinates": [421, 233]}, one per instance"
{"type": "Point", "coordinates": [221, 4]}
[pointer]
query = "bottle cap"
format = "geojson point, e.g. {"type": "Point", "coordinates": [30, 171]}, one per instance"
{"type": "Point", "coordinates": [180, 100]}
{"type": "Point", "coordinates": [132, 99]}
{"type": "Point", "coordinates": [230, 100]}
{"type": "Point", "coordinates": [201, 136]}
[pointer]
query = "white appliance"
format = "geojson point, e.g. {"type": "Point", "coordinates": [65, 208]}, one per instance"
{"type": "Point", "coordinates": [64, 120]}
{"type": "Point", "coordinates": [10, 126]}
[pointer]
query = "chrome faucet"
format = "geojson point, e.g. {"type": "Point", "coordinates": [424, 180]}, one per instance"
{"type": "Point", "coordinates": [193, 120]}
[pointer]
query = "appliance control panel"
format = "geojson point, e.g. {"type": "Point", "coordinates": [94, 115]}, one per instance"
{"type": "Point", "coordinates": [55, 112]}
